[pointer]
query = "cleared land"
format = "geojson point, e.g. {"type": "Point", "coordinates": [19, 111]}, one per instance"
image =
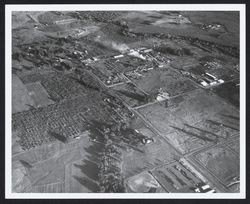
{"type": "Point", "coordinates": [230, 92]}
{"type": "Point", "coordinates": [170, 82]}
{"type": "Point", "coordinates": [51, 168]}
{"type": "Point", "coordinates": [189, 108]}
{"type": "Point", "coordinates": [221, 162]}
{"type": "Point", "coordinates": [144, 183]}
{"type": "Point", "coordinates": [235, 146]}
{"type": "Point", "coordinates": [181, 124]}
{"type": "Point", "coordinates": [20, 97]}
{"type": "Point", "coordinates": [146, 157]}
{"type": "Point", "coordinates": [38, 94]}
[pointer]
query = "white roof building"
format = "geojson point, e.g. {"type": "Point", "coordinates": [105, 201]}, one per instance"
{"type": "Point", "coordinates": [203, 83]}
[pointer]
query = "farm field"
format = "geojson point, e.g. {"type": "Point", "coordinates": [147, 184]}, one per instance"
{"type": "Point", "coordinates": [50, 168]}
{"type": "Point", "coordinates": [178, 177]}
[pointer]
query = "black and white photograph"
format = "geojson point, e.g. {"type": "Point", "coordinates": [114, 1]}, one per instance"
{"type": "Point", "coordinates": [125, 100]}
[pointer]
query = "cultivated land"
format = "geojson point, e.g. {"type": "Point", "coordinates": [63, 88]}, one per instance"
{"type": "Point", "coordinates": [131, 101]}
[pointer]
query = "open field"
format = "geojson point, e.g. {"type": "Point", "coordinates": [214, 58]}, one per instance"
{"type": "Point", "coordinates": [229, 92]}
{"type": "Point", "coordinates": [181, 122]}
{"type": "Point", "coordinates": [146, 156]}
{"type": "Point", "coordinates": [189, 108]}
{"type": "Point", "coordinates": [144, 183]}
{"type": "Point", "coordinates": [221, 162]}
{"type": "Point", "coordinates": [187, 24]}
{"type": "Point", "coordinates": [235, 146]}
{"type": "Point", "coordinates": [21, 100]}
{"type": "Point", "coordinates": [170, 82]}
{"type": "Point", "coordinates": [38, 94]}
{"type": "Point", "coordinates": [46, 167]}
{"type": "Point", "coordinates": [228, 19]}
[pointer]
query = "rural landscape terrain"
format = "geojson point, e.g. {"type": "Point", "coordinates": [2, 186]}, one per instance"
{"type": "Point", "coordinates": [125, 102]}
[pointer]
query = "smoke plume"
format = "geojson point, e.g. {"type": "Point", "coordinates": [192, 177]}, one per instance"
{"type": "Point", "coordinates": [121, 47]}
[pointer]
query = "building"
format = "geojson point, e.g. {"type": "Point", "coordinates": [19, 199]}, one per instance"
{"type": "Point", "coordinates": [118, 56]}
{"type": "Point", "coordinates": [203, 83]}
{"type": "Point", "coordinates": [211, 76]}
{"type": "Point", "coordinates": [204, 189]}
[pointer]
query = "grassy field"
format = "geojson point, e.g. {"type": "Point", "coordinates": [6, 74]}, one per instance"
{"type": "Point", "coordinates": [168, 80]}
{"type": "Point", "coordinates": [189, 108]}
{"type": "Point", "coordinates": [149, 155]}
{"type": "Point", "coordinates": [185, 142]}
{"type": "Point", "coordinates": [148, 22]}
{"type": "Point", "coordinates": [180, 120]}
{"type": "Point", "coordinates": [229, 19]}
{"type": "Point", "coordinates": [144, 183]}
{"type": "Point", "coordinates": [229, 92]}
{"type": "Point", "coordinates": [221, 162]}
{"type": "Point", "coordinates": [235, 146]}
{"type": "Point", "coordinates": [38, 94]}
{"type": "Point", "coordinates": [21, 100]}
{"type": "Point", "coordinates": [76, 181]}
{"type": "Point", "coordinates": [53, 167]}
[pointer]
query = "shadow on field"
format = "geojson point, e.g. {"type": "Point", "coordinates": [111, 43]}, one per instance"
{"type": "Point", "coordinates": [89, 168]}
{"type": "Point", "coordinates": [87, 183]}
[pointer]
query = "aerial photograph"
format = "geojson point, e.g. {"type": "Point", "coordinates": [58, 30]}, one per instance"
{"type": "Point", "coordinates": [125, 101]}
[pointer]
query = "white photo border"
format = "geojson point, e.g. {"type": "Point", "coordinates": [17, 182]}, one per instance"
{"type": "Point", "coordinates": [180, 7]}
